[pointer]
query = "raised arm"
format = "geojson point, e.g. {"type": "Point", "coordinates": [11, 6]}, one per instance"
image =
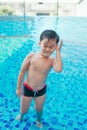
{"type": "Point", "coordinates": [57, 62]}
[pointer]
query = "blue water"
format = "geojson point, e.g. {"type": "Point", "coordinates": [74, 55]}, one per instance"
{"type": "Point", "coordinates": [66, 103]}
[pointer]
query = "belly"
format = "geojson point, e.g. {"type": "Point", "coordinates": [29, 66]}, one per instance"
{"type": "Point", "coordinates": [36, 81]}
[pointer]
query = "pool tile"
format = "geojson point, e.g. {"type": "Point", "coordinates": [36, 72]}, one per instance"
{"type": "Point", "coordinates": [66, 96]}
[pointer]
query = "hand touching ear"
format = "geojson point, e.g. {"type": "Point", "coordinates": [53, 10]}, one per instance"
{"type": "Point", "coordinates": [57, 64]}
{"type": "Point", "coordinates": [60, 45]}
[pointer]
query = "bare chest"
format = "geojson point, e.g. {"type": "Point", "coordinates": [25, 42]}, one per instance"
{"type": "Point", "coordinates": [40, 64]}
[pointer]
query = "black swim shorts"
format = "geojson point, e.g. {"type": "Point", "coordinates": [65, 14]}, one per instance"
{"type": "Point", "coordinates": [29, 92]}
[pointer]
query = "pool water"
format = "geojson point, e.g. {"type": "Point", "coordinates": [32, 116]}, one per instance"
{"type": "Point", "coordinates": [66, 102]}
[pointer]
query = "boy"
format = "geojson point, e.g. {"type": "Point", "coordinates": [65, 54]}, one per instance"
{"type": "Point", "coordinates": [38, 66]}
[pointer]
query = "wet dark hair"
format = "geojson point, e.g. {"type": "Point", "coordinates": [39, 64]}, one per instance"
{"type": "Point", "coordinates": [50, 34]}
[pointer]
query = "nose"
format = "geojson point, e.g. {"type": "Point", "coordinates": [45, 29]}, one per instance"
{"type": "Point", "coordinates": [47, 49]}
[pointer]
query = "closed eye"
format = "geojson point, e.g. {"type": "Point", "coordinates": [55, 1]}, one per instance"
{"type": "Point", "coordinates": [51, 47]}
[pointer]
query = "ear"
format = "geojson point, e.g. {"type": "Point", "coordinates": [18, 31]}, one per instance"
{"type": "Point", "coordinates": [56, 46]}
{"type": "Point", "coordinates": [39, 43]}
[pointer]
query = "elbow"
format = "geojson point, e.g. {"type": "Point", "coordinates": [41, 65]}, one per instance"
{"type": "Point", "coordinates": [58, 70]}
{"type": "Point", "coordinates": [57, 67]}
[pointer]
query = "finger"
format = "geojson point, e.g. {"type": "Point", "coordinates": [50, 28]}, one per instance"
{"type": "Point", "coordinates": [61, 41]}
{"type": "Point", "coordinates": [59, 46]}
{"type": "Point", "coordinates": [19, 95]}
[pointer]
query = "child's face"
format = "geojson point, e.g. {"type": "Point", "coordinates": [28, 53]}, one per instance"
{"type": "Point", "coordinates": [48, 46]}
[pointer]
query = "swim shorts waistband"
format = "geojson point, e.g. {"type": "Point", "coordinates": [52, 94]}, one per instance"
{"type": "Point", "coordinates": [30, 88]}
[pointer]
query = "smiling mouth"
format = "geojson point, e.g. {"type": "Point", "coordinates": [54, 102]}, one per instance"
{"type": "Point", "coordinates": [47, 52]}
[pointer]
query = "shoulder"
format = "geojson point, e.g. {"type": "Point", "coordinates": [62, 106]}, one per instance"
{"type": "Point", "coordinates": [51, 60]}
{"type": "Point", "coordinates": [29, 56]}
